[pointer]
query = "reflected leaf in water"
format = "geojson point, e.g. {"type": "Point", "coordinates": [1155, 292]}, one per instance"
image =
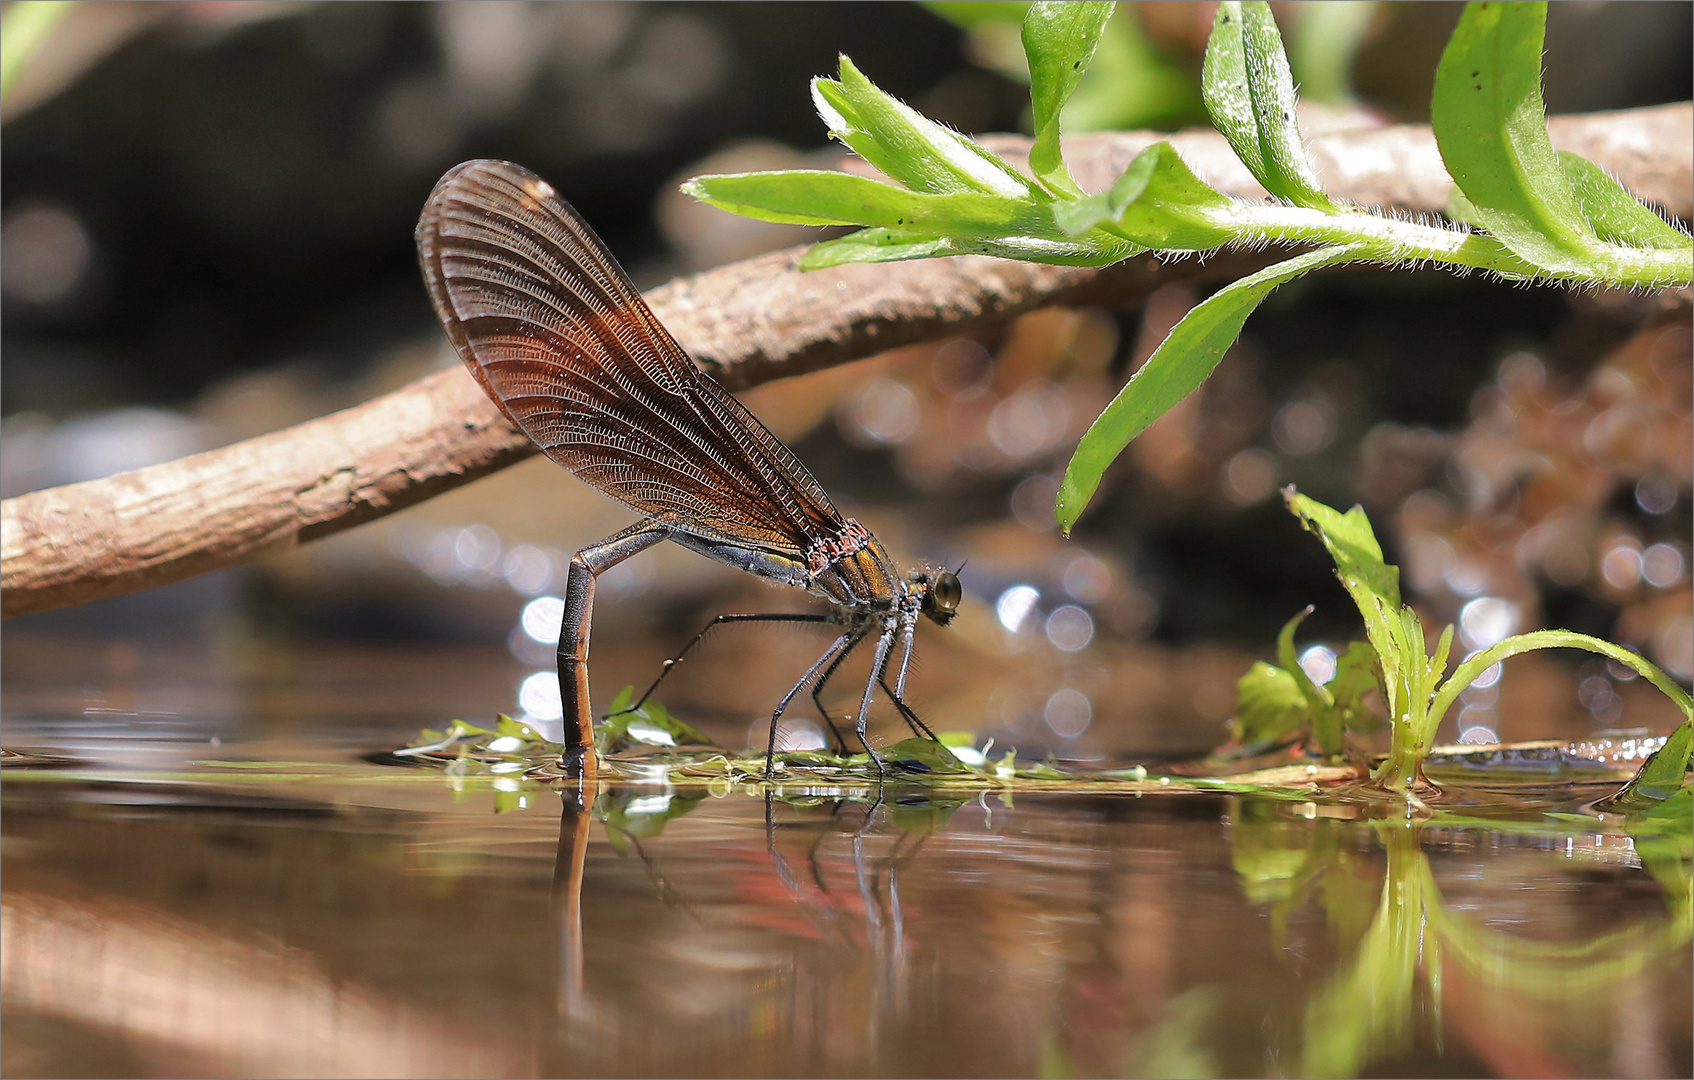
{"type": "Point", "coordinates": [1279, 858]}
{"type": "Point", "coordinates": [642, 813]}
{"type": "Point", "coordinates": [1181, 1043]}
{"type": "Point", "coordinates": [1367, 1012]}
{"type": "Point", "coordinates": [919, 812]}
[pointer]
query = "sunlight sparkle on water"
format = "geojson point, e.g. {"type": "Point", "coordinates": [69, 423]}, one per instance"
{"type": "Point", "coordinates": [1486, 621]}
{"type": "Point", "coordinates": [1014, 606]}
{"type": "Point", "coordinates": [1068, 712]}
{"type": "Point", "coordinates": [541, 618]}
{"type": "Point", "coordinates": [539, 696]}
{"type": "Point", "coordinates": [1318, 662]}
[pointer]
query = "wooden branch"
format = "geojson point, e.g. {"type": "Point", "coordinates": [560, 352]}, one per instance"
{"type": "Point", "coordinates": [747, 323]}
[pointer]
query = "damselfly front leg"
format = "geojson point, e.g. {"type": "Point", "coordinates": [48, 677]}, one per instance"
{"type": "Point", "coordinates": [845, 641]}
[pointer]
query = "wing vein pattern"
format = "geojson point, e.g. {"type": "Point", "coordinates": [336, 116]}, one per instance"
{"type": "Point", "coordinates": [559, 337]}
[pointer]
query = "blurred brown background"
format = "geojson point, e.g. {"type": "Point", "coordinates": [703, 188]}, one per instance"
{"type": "Point", "coordinates": [206, 214]}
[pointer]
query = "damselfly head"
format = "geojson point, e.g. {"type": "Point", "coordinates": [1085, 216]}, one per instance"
{"type": "Point", "coordinates": [941, 593]}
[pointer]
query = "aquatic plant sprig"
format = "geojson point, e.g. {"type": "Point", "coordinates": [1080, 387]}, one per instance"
{"type": "Point", "coordinates": [1520, 211]}
{"type": "Point", "coordinates": [1414, 682]}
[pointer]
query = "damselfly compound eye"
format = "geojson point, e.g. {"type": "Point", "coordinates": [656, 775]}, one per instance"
{"type": "Point", "coordinates": [947, 592]}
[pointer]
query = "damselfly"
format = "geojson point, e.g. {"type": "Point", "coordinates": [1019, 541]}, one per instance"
{"type": "Point", "coordinates": [554, 331]}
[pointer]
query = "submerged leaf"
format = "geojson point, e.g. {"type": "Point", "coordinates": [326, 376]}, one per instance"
{"type": "Point", "coordinates": [650, 725]}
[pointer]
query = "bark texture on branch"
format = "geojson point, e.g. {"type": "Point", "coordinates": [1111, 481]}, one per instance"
{"type": "Point", "coordinates": [746, 323]}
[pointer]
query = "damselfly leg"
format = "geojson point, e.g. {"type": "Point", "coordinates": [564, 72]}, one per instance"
{"type": "Point", "coordinates": [586, 567]}
{"type": "Point", "coordinates": [670, 665]}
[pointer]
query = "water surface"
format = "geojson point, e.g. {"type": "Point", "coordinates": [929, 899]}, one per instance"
{"type": "Point", "coordinates": [278, 904]}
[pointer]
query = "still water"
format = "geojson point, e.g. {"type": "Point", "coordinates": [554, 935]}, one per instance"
{"type": "Point", "coordinates": [286, 903]}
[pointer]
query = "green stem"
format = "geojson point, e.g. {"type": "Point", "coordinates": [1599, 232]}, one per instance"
{"type": "Point", "coordinates": [1410, 742]}
{"type": "Point", "coordinates": [1393, 240]}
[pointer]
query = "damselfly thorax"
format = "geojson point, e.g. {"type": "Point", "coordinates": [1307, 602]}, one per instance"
{"type": "Point", "coordinates": [555, 333]}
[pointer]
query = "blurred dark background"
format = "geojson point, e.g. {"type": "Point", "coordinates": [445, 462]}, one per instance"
{"type": "Point", "coordinates": [206, 213]}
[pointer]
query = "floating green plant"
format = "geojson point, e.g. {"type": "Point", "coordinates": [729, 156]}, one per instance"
{"type": "Point", "coordinates": [1280, 701]}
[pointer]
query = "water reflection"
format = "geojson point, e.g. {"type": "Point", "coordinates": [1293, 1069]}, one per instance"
{"type": "Point", "coordinates": [360, 919]}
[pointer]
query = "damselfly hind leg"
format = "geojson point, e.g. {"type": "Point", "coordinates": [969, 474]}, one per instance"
{"type": "Point", "coordinates": [587, 565]}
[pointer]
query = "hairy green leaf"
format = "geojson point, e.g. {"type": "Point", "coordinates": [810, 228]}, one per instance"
{"type": "Point", "coordinates": [1615, 215]}
{"type": "Point", "coordinates": [1250, 96]}
{"type": "Point", "coordinates": [1180, 363]}
{"type": "Point", "coordinates": [906, 145]}
{"type": "Point", "coordinates": [1491, 128]}
{"type": "Point", "coordinates": [896, 245]}
{"type": "Point", "coordinates": [1158, 202]}
{"type": "Point", "coordinates": [1059, 39]}
{"type": "Point", "coordinates": [819, 197]}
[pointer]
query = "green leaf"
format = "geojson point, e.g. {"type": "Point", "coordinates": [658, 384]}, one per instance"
{"type": "Point", "coordinates": [877, 245]}
{"type": "Point", "coordinates": [1316, 696]}
{"type": "Point", "coordinates": [820, 197]}
{"type": "Point", "coordinates": [1664, 771]}
{"type": "Point", "coordinates": [1059, 39]}
{"type": "Point", "coordinates": [1615, 215]}
{"type": "Point", "coordinates": [1133, 83]}
{"type": "Point", "coordinates": [1662, 774]}
{"type": "Point", "coordinates": [1250, 96]}
{"type": "Point", "coordinates": [906, 145]}
{"type": "Point", "coordinates": [1357, 673]}
{"type": "Point", "coordinates": [650, 725]}
{"type": "Point", "coordinates": [894, 245]}
{"type": "Point", "coordinates": [1181, 363]}
{"type": "Point", "coordinates": [1352, 544]}
{"type": "Point", "coordinates": [1475, 664]}
{"type": "Point", "coordinates": [1269, 706]}
{"type": "Point", "coordinates": [919, 755]}
{"type": "Point", "coordinates": [1491, 128]}
{"type": "Point", "coordinates": [1158, 202]}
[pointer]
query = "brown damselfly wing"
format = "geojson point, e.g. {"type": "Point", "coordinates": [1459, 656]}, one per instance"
{"type": "Point", "coordinates": [552, 328]}
{"type": "Point", "coordinates": [558, 337]}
